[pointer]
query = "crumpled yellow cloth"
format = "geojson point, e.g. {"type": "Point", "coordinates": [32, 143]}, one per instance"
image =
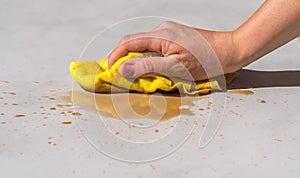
{"type": "Point", "coordinates": [95, 76]}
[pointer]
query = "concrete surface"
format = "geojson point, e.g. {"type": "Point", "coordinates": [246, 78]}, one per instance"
{"type": "Point", "coordinates": [39, 135]}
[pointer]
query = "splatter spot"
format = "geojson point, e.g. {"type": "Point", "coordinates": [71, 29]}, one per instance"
{"type": "Point", "coordinates": [19, 115]}
{"type": "Point", "coordinates": [76, 114]}
{"type": "Point", "coordinates": [278, 140]}
{"type": "Point", "coordinates": [262, 101]}
{"type": "Point", "coordinates": [66, 122]}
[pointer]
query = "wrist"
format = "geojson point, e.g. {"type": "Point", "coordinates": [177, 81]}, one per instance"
{"type": "Point", "coordinates": [228, 50]}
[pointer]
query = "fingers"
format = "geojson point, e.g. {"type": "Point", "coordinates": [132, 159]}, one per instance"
{"type": "Point", "coordinates": [166, 66]}
{"type": "Point", "coordinates": [137, 43]}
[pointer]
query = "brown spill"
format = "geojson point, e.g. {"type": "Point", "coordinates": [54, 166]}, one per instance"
{"type": "Point", "coordinates": [242, 92]}
{"type": "Point", "coordinates": [66, 123]}
{"type": "Point", "coordinates": [76, 114]}
{"type": "Point", "coordinates": [19, 115]}
{"type": "Point", "coordinates": [139, 104]}
{"type": "Point", "coordinates": [2, 122]}
{"type": "Point", "coordinates": [12, 93]}
{"type": "Point", "coordinates": [278, 140]}
{"type": "Point", "coordinates": [53, 109]}
{"type": "Point", "coordinates": [262, 101]}
{"type": "Point", "coordinates": [4, 81]}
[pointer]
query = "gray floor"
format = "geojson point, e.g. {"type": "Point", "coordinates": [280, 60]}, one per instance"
{"type": "Point", "coordinates": [40, 38]}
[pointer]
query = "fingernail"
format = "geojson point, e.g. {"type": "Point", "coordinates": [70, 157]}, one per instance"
{"type": "Point", "coordinates": [127, 70]}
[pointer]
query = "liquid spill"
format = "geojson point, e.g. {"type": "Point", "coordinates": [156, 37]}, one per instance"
{"type": "Point", "coordinates": [76, 114]}
{"type": "Point", "coordinates": [156, 107]}
{"type": "Point", "coordinates": [66, 123]}
{"type": "Point", "coordinates": [263, 101]}
{"type": "Point", "coordinates": [242, 92]}
{"type": "Point", "coordinates": [19, 115]}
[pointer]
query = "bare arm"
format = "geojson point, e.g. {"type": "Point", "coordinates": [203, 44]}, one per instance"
{"type": "Point", "coordinates": [275, 23]}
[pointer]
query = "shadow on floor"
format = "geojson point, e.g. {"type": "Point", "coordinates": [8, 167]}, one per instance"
{"type": "Point", "coordinates": [258, 79]}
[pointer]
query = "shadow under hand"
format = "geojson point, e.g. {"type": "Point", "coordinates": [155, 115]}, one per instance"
{"type": "Point", "coordinates": [259, 79]}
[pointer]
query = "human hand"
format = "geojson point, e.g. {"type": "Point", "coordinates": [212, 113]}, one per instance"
{"type": "Point", "coordinates": [186, 52]}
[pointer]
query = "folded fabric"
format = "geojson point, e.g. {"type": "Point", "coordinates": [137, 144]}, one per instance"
{"type": "Point", "coordinates": [95, 76]}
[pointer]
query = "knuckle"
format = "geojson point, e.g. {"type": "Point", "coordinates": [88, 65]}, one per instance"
{"type": "Point", "coordinates": [126, 38]}
{"type": "Point", "coordinates": [148, 66]}
{"type": "Point", "coordinates": [165, 24]}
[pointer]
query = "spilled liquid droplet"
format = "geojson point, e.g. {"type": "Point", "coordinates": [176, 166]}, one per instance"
{"type": "Point", "coordinates": [242, 92]}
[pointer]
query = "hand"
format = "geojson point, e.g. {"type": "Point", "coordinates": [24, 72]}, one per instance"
{"type": "Point", "coordinates": [186, 52]}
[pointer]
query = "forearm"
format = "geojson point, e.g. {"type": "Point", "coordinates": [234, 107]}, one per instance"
{"type": "Point", "coordinates": [275, 23]}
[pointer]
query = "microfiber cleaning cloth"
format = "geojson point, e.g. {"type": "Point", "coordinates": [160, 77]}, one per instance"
{"type": "Point", "coordinates": [95, 76]}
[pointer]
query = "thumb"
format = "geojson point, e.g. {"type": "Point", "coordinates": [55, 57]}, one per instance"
{"type": "Point", "coordinates": [137, 67]}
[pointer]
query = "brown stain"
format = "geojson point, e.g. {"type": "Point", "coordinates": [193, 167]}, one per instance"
{"type": "Point", "coordinates": [1, 98]}
{"type": "Point", "coordinates": [277, 139]}
{"type": "Point", "coordinates": [19, 115]}
{"type": "Point", "coordinates": [262, 101]}
{"type": "Point", "coordinates": [66, 122]}
{"type": "Point", "coordinates": [156, 130]}
{"type": "Point", "coordinates": [51, 98]}
{"type": "Point", "coordinates": [241, 92]}
{"type": "Point", "coordinates": [2, 122]}
{"type": "Point", "coordinates": [12, 93]}
{"type": "Point", "coordinates": [15, 104]}
{"type": "Point", "coordinates": [140, 104]}
{"type": "Point", "coordinates": [76, 114]}
{"type": "Point", "coordinates": [53, 109]}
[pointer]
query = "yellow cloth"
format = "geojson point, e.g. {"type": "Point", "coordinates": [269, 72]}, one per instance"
{"type": "Point", "coordinates": [95, 76]}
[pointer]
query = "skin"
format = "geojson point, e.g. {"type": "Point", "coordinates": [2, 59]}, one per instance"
{"type": "Point", "coordinates": [274, 24]}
